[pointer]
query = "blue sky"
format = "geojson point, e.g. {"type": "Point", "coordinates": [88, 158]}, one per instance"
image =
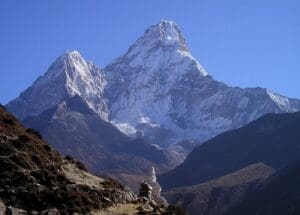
{"type": "Point", "coordinates": [242, 43]}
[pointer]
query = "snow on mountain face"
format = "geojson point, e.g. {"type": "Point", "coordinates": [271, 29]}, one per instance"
{"type": "Point", "coordinates": [156, 90]}
{"type": "Point", "coordinates": [139, 82]}
{"type": "Point", "coordinates": [162, 45]}
{"type": "Point", "coordinates": [69, 75]}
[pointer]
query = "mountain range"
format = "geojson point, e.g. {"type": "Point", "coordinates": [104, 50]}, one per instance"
{"type": "Point", "coordinates": [157, 89]}
{"type": "Point", "coordinates": [155, 109]}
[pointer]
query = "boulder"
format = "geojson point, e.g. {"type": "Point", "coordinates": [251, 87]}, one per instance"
{"type": "Point", "coordinates": [2, 208]}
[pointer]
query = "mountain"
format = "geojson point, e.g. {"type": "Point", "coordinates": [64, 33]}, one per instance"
{"type": "Point", "coordinates": [271, 139]}
{"type": "Point", "coordinates": [35, 179]}
{"type": "Point", "coordinates": [157, 90]}
{"type": "Point", "coordinates": [277, 195]}
{"type": "Point", "coordinates": [217, 196]}
{"type": "Point", "coordinates": [69, 75]}
{"type": "Point", "coordinates": [157, 87]}
{"type": "Point", "coordinates": [74, 129]}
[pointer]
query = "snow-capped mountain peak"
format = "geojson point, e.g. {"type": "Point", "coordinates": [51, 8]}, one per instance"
{"type": "Point", "coordinates": [69, 75]}
{"type": "Point", "coordinates": [71, 55]}
{"type": "Point", "coordinates": [157, 87]}
{"type": "Point", "coordinates": [165, 33]}
{"type": "Point", "coordinates": [70, 64]}
{"type": "Point", "coordinates": [162, 45]}
{"type": "Point", "coordinates": [162, 48]}
{"type": "Point", "coordinates": [169, 30]}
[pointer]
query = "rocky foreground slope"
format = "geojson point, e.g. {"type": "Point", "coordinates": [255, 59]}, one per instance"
{"type": "Point", "coordinates": [35, 179]}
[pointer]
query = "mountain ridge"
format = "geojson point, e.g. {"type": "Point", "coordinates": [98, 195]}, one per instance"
{"type": "Point", "coordinates": [156, 94]}
{"type": "Point", "coordinates": [278, 194]}
{"type": "Point", "coordinates": [216, 196]}
{"type": "Point", "coordinates": [271, 139]}
{"type": "Point", "coordinates": [95, 142]}
{"type": "Point", "coordinates": [157, 89]}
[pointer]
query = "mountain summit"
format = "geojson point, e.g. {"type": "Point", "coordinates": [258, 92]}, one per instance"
{"type": "Point", "coordinates": [162, 45]}
{"type": "Point", "coordinates": [165, 33]}
{"type": "Point", "coordinates": [69, 75]}
{"type": "Point", "coordinates": [157, 90]}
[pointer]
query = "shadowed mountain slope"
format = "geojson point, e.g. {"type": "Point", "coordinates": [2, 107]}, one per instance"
{"type": "Point", "coordinates": [278, 195]}
{"type": "Point", "coordinates": [272, 139]}
{"type": "Point", "coordinates": [216, 196]}
{"type": "Point", "coordinates": [73, 128]}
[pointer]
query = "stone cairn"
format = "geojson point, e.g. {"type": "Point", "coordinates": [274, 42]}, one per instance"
{"type": "Point", "coordinates": [146, 191]}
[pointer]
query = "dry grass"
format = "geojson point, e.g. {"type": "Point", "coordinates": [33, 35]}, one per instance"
{"type": "Point", "coordinates": [79, 176]}
{"type": "Point", "coordinates": [120, 209]}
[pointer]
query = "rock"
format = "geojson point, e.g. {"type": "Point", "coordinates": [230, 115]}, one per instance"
{"type": "Point", "coordinates": [36, 188]}
{"type": "Point", "coordinates": [146, 209]}
{"type": "Point", "coordinates": [107, 199]}
{"type": "Point", "coordinates": [34, 132]}
{"type": "Point", "coordinates": [143, 200]}
{"type": "Point", "coordinates": [16, 211]}
{"type": "Point", "coordinates": [2, 208]}
{"type": "Point", "coordinates": [53, 211]}
{"type": "Point", "coordinates": [146, 191]}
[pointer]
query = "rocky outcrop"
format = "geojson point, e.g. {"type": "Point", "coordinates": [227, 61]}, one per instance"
{"type": "Point", "coordinates": [146, 191]}
{"type": "Point", "coordinates": [2, 208]}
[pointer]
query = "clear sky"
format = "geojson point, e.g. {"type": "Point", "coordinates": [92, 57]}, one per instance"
{"type": "Point", "coordinates": [242, 43]}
